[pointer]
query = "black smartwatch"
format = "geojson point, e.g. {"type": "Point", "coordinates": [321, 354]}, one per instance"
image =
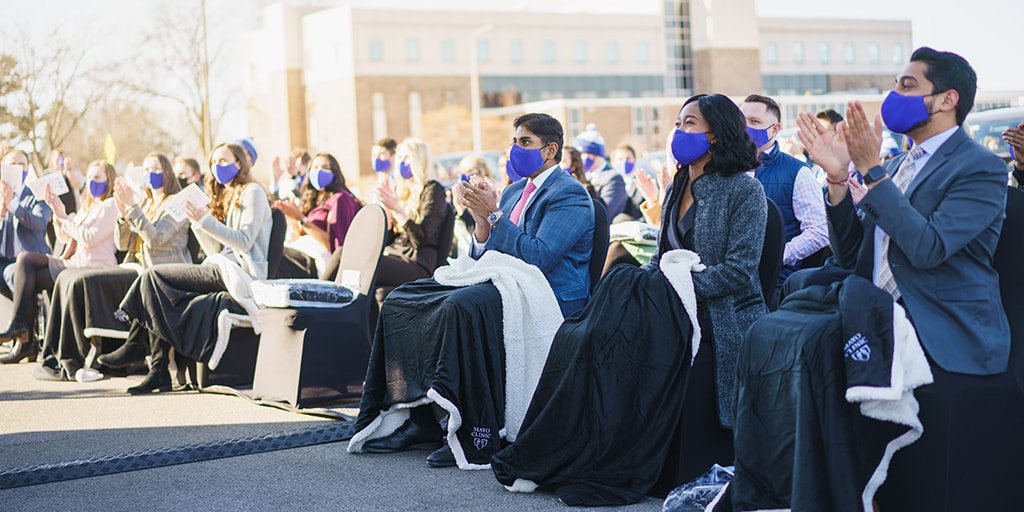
{"type": "Point", "coordinates": [876, 173]}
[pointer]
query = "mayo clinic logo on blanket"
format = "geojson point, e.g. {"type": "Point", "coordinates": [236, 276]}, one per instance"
{"type": "Point", "coordinates": [857, 348]}
{"type": "Point", "coordinates": [481, 436]}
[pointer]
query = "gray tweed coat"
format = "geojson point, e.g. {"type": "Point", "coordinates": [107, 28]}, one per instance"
{"type": "Point", "coordinates": [728, 234]}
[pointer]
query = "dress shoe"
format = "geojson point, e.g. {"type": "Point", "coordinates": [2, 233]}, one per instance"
{"type": "Point", "coordinates": [22, 350]}
{"type": "Point", "coordinates": [15, 331]}
{"type": "Point", "coordinates": [128, 353]}
{"type": "Point", "coordinates": [441, 457]}
{"type": "Point", "coordinates": [156, 380]}
{"type": "Point", "coordinates": [409, 436]}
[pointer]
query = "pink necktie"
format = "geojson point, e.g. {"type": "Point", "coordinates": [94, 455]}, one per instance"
{"type": "Point", "coordinates": [518, 210]}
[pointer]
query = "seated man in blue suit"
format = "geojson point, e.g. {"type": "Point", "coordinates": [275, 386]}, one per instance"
{"type": "Point", "coordinates": [926, 232]}
{"type": "Point", "coordinates": [546, 220]}
{"type": "Point", "coordinates": [444, 346]}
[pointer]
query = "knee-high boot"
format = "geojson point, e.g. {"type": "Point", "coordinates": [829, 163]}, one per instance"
{"type": "Point", "coordinates": [133, 350]}
{"type": "Point", "coordinates": [158, 378]}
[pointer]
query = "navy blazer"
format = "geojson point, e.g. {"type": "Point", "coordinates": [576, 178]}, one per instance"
{"type": "Point", "coordinates": [33, 215]}
{"type": "Point", "coordinates": [611, 187]}
{"type": "Point", "coordinates": [944, 232]}
{"type": "Point", "coordinates": [557, 233]}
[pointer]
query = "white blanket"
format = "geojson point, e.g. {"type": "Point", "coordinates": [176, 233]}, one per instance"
{"type": "Point", "coordinates": [531, 317]}
{"type": "Point", "coordinates": [238, 284]}
{"type": "Point", "coordinates": [678, 266]}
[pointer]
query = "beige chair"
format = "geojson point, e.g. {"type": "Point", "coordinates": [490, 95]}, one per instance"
{"type": "Point", "coordinates": [314, 355]}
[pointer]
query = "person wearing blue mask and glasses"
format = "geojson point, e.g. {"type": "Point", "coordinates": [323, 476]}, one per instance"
{"type": "Point", "coordinates": [789, 183]}
{"type": "Point", "coordinates": [324, 212]}
{"type": "Point", "coordinates": [88, 238]}
{"type": "Point", "coordinates": [609, 182]}
{"type": "Point", "coordinates": [178, 305]}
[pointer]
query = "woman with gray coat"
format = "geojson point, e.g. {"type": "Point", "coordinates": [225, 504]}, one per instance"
{"type": "Point", "coordinates": [624, 408]}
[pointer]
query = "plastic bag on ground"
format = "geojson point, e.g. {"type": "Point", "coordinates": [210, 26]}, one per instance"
{"type": "Point", "coordinates": [694, 496]}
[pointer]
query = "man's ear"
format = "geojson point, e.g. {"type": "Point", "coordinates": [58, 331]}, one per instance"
{"type": "Point", "coordinates": [949, 101]}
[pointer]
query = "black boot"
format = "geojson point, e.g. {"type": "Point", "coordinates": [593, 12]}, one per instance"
{"type": "Point", "coordinates": [16, 331]}
{"type": "Point", "coordinates": [420, 432]}
{"type": "Point", "coordinates": [22, 349]}
{"type": "Point", "coordinates": [158, 378]}
{"type": "Point", "coordinates": [133, 350]}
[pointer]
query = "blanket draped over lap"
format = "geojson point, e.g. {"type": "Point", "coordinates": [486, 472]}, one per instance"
{"type": "Point", "coordinates": [610, 397]}
{"type": "Point", "coordinates": [474, 345]}
{"type": "Point", "coordinates": [825, 398]}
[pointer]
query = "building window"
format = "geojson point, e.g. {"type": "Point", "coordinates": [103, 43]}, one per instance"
{"type": "Point", "coordinates": [897, 53]}
{"type": "Point", "coordinates": [771, 53]}
{"type": "Point", "coordinates": [849, 53]}
{"type": "Point", "coordinates": [415, 114]}
{"type": "Point", "coordinates": [548, 48]}
{"type": "Point", "coordinates": [655, 121]}
{"type": "Point", "coordinates": [380, 116]}
{"type": "Point", "coordinates": [574, 121]}
{"type": "Point", "coordinates": [611, 52]}
{"type": "Point", "coordinates": [798, 53]}
{"type": "Point", "coordinates": [448, 50]}
{"type": "Point", "coordinates": [638, 121]}
{"type": "Point", "coordinates": [412, 50]}
{"type": "Point", "coordinates": [515, 51]}
{"type": "Point", "coordinates": [581, 52]}
{"type": "Point", "coordinates": [823, 53]}
{"type": "Point", "coordinates": [483, 51]}
{"type": "Point", "coordinates": [874, 56]}
{"type": "Point", "coordinates": [376, 50]}
{"type": "Point", "coordinates": [643, 52]}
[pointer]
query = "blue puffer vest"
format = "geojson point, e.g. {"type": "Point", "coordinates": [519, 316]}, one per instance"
{"type": "Point", "coordinates": [777, 175]}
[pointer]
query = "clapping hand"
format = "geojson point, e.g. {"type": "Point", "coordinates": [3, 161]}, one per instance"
{"type": "Point", "coordinates": [649, 188]}
{"type": "Point", "coordinates": [863, 140]}
{"type": "Point", "coordinates": [479, 198]}
{"type": "Point", "coordinates": [124, 197]}
{"type": "Point", "coordinates": [6, 194]}
{"type": "Point", "coordinates": [1015, 138]}
{"type": "Point", "coordinates": [386, 195]}
{"type": "Point", "coordinates": [829, 151]}
{"type": "Point", "coordinates": [53, 200]}
{"type": "Point", "coordinates": [289, 209]}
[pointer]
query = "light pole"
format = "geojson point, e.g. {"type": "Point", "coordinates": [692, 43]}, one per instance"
{"type": "Point", "coordinates": [474, 85]}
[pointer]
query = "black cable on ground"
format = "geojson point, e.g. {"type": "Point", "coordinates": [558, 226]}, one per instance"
{"type": "Point", "coordinates": [121, 463]}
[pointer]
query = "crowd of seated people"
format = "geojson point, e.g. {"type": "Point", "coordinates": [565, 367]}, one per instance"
{"type": "Point", "coordinates": [634, 391]}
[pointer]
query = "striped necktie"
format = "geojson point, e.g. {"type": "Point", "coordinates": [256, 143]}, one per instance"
{"type": "Point", "coordinates": [904, 175]}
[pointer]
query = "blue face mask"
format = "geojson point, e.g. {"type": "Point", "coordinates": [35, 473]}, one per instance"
{"type": "Point", "coordinates": [625, 167]}
{"type": "Point", "coordinates": [903, 113]}
{"type": "Point", "coordinates": [154, 180]}
{"type": "Point", "coordinates": [24, 171]}
{"type": "Point", "coordinates": [225, 173]}
{"type": "Point", "coordinates": [97, 188]}
{"type": "Point", "coordinates": [405, 170]}
{"type": "Point", "coordinates": [381, 165]}
{"type": "Point", "coordinates": [321, 178]}
{"type": "Point", "coordinates": [687, 147]}
{"type": "Point", "coordinates": [588, 163]}
{"type": "Point", "coordinates": [759, 136]}
{"type": "Point", "coordinates": [523, 162]}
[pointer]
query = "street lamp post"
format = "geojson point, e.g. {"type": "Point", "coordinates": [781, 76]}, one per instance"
{"type": "Point", "coordinates": [474, 85]}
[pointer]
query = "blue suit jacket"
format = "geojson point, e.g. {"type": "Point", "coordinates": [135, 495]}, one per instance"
{"type": "Point", "coordinates": [33, 215]}
{"type": "Point", "coordinates": [557, 233]}
{"type": "Point", "coordinates": [611, 187]}
{"type": "Point", "coordinates": [944, 232]}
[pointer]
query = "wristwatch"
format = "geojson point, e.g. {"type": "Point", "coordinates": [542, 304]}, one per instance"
{"type": "Point", "coordinates": [876, 173]}
{"type": "Point", "coordinates": [494, 217]}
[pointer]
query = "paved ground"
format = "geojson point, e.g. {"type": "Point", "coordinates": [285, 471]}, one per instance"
{"type": "Point", "coordinates": [53, 422]}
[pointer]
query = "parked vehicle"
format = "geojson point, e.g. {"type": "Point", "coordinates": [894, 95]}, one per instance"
{"type": "Point", "coordinates": [987, 127]}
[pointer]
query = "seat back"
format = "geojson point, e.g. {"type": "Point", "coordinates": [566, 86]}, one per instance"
{"type": "Point", "coordinates": [278, 229]}
{"type": "Point", "coordinates": [446, 237]}
{"type": "Point", "coordinates": [599, 251]}
{"type": "Point", "coordinates": [367, 235]}
{"type": "Point", "coordinates": [771, 251]}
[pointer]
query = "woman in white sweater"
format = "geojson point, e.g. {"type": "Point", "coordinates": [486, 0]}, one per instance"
{"type": "Point", "coordinates": [178, 305]}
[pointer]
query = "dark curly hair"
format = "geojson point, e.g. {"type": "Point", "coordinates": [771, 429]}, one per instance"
{"type": "Point", "coordinates": [732, 152]}
{"type": "Point", "coordinates": [310, 196]}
